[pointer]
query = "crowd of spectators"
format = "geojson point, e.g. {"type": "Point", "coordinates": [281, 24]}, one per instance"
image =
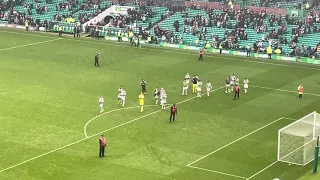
{"type": "Point", "coordinates": [143, 14]}
{"type": "Point", "coordinates": [273, 33]}
{"type": "Point", "coordinates": [273, 28]}
{"type": "Point", "coordinates": [304, 4]}
{"type": "Point", "coordinates": [67, 6]}
{"type": "Point", "coordinates": [8, 13]}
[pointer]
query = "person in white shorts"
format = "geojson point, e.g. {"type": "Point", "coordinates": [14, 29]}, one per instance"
{"type": "Point", "coordinates": [245, 85]}
{"type": "Point", "coordinates": [101, 103]}
{"type": "Point", "coordinates": [199, 87]}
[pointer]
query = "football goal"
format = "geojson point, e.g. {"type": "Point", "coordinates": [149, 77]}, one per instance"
{"type": "Point", "coordinates": [297, 141]}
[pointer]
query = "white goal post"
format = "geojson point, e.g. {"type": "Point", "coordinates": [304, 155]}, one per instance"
{"type": "Point", "coordinates": [297, 141]}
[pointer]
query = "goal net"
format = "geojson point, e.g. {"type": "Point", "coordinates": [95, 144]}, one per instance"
{"type": "Point", "coordinates": [296, 142]}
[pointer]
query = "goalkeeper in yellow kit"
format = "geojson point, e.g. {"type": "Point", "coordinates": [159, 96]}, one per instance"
{"type": "Point", "coordinates": [195, 80]}
{"type": "Point", "coordinates": [141, 101]}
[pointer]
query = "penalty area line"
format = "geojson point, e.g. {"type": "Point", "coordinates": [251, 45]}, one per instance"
{"type": "Point", "coordinates": [235, 141]}
{"type": "Point", "coordinates": [227, 174]}
{"type": "Point", "coordinates": [261, 170]}
{"type": "Point", "coordinates": [78, 141]}
{"type": "Point", "coordinates": [218, 172]}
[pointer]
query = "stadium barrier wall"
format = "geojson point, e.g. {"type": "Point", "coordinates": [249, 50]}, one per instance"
{"type": "Point", "coordinates": [21, 27]}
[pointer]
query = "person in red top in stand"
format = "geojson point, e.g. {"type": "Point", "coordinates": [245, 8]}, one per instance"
{"type": "Point", "coordinates": [236, 91]}
{"type": "Point", "coordinates": [173, 112]}
{"type": "Point", "coordinates": [201, 54]}
{"type": "Point", "coordinates": [102, 143]}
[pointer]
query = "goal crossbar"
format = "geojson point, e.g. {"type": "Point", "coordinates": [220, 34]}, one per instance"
{"type": "Point", "coordinates": [297, 121]}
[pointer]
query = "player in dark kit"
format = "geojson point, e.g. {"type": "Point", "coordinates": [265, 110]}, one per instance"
{"type": "Point", "coordinates": [74, 31]}
{"type": "Point", "coordinates": [236, 92]}
{"type": "Point", "coordinates": [173, 112]}
{"type": "Point", "coordinates": [143, 84]}
{"type": "Point", "coordinates": [96, 60]}
{"type": "Point", "coordinates": [78, 31]}
{"type": "Point", "coordinates": [195, 80]}
{"type": "Point", "coordinates": [201, 54]}
{"type": "Point", "coordinates": [102, 144]}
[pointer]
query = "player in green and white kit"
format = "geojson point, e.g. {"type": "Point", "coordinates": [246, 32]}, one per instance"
{"type": "Point", "coordinates": [228, 84]}
{"type": "Point", "coordinates": [123, 95]}
{"type": "Point", "coordinates": [232, 82]}
{"type": "Point", "coordinates": [156, 94]}
{"type": "Point", "coordinates": [208, 87]}
{"type": "Point", "coordinates": [237, 80]}
{"type": "Point", "coordinates": [185, 87]}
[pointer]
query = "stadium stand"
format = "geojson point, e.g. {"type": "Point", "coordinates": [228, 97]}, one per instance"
{"type": "Point", "coordinates": [291, 26]}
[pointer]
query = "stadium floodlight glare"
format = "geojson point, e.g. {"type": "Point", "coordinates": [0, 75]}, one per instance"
{"type": "Point", "coordinates": [296, 142]}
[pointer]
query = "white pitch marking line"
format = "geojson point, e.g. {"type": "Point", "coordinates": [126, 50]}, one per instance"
{"type": "Point", "coordinates": [108, 112]}
{"type": "Point", "coordinates": [262, 170]}
{"type": "Point", "coordinates": [291, 119]}
{"type": "Point", "coordinates": [218, 172]}
{"type": "Point", "coordinates": [235, 141]}
{"type": "Point", "coordinates": [133, 120]}
{"type": "Point", "coordinates": [175, 52]}
{"type": "Point", "coordinates": [297, 164]}
{"type": "Point", "coordinates": [31, 44]}
{"type": "Point", "coordinates": [283, 90]}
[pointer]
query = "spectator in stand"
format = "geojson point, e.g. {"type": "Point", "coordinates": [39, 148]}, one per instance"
{"type": "Point", "coordinates": [176, 25]}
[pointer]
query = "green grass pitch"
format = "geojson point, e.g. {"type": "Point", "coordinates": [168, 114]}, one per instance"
{"type": "Point", "coordinates": [49, 91]}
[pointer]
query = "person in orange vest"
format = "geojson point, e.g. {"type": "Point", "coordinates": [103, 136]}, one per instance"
{"type": "Point", "coordinates": [200, 54]}
{"type": "Point", "coordinates": [300, 91]}
{"type": "Point", "coordinates": [236, 91]}
{"type": "Point", "coordinates": [173, 112]}
{"type": "Point", "coordinates": [102, 143]}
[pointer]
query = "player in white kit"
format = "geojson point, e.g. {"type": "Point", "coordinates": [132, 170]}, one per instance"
{"type": "Point", "coordinates": [123, 97]}
{"type": "Point", "coordinates": [156, 94]}
{"type": "Point", "coordinates": [245, 85]}
{"type": "Point", "coordinates": [119, 95]}
{"type": "Point", "coordinates": [232, 81]}
{"type": "Point", "coordinates": [199, 87]}
{"type": "Point", "coordinates": [187, 78]}
{"type": "Point", "coordinates": [163, 98]}
{"type": "Point", "coordinates": [208, 87]}
{"type": "Point", "coordinates": [236, 80]}
{"type": "Point", "coordinates": [101, 103]}
{"type": "Point", "coordinates": [185, 87]}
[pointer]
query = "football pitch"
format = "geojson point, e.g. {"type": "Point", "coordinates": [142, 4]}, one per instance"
{"type": "Point", "coordinates": [50, 122]}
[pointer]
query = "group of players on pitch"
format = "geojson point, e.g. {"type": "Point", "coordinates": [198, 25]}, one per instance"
{"type": "Point", "coordinates": [233, 81]}
{"type": "Point", "coordinates": [232, 84]}
{"type": "Point", "coordinates": [158, 94]}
